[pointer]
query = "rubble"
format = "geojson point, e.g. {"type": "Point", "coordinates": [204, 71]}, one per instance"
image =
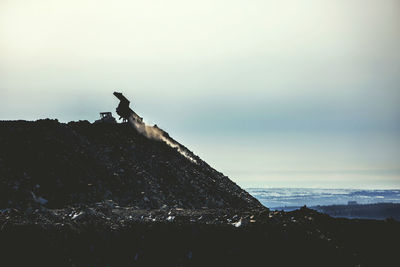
{"type": "Point", "coordinates": [82, 194]}
{"type": "Point", "coordinates": [55, 164]}
{"type": "Point", "coordinates": [115, 236]}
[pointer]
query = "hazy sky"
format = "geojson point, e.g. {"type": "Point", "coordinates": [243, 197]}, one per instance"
{"type": "Point", "coordinates": [271, 93]}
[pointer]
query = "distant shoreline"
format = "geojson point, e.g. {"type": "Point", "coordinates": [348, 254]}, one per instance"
{"type": "Point", "coordinates": [311, 197]}
{"type": "Point", "coordinates": [322, 188]}
{"type": "Point", "coordinates": [374, 211]}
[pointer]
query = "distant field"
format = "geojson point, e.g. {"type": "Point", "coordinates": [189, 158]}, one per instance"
{"type": "Point", "coordinates": [348, 203]}
{"type": "Point", "coordinates": [297, 197]}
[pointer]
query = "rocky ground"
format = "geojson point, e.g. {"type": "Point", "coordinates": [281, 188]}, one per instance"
{"type": "Point", "coordinates": [66, 164]}
{"type": "Point", "coordinates": [82, 194]}
{"type": "Point", "coordinates": [109, 235]}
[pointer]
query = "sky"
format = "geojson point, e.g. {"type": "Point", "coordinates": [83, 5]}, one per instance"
{"type": "Point", "coordinates": [289, 93]}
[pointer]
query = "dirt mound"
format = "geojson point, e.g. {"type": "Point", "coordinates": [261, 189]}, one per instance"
{"type": "Point", "coordinates": [52, 164]}
{"type": "Point", "coordinates": [82, 194]}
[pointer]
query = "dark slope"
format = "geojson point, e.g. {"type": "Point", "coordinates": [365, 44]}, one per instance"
{"type": "Point", "coordinates": [82, 194]}
{"type": "Point", "coordinates": [83, 163]}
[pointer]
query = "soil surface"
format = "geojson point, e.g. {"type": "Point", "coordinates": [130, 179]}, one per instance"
{"type": "Point", "coordinates": [109, 235]}
{"type": "Point", "coordinates": [82, 194]}
{"type": "Point", "coordinates": [59, 164]}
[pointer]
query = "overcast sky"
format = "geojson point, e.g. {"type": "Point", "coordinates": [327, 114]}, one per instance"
{"type": "Point", "coordinates": [272, 93]}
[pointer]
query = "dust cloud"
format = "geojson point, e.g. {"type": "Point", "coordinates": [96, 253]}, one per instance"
{"type": "Point", "coordinates": [155, 133]}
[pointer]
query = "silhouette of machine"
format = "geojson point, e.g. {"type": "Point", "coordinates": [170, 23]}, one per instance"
{"type": "Point", "coordinates": [106, 117]}
{"type": "Point", "coordinates": [124, 111]}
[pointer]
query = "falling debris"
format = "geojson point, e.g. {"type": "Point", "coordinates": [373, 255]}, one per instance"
{"type": "Point", "coordinates": [151, 132]}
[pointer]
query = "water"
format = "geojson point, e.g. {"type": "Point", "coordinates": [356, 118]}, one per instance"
{"type": "Point", "coordinates": [285, 198]}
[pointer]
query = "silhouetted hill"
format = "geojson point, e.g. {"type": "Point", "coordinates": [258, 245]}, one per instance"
{"type": "Point", "coordinates": [82, 194]}
{"type": "Point", "coordinates": [61, 164]}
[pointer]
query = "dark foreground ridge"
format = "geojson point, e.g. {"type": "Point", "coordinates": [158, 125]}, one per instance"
{"type": "Point", "coordinates": [376, 211]}
{"type": "Point", "coordinates": [82, 194]}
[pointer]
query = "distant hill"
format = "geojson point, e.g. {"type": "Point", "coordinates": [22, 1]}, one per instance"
{"type": "Point", "coordinates": [378, 211]}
